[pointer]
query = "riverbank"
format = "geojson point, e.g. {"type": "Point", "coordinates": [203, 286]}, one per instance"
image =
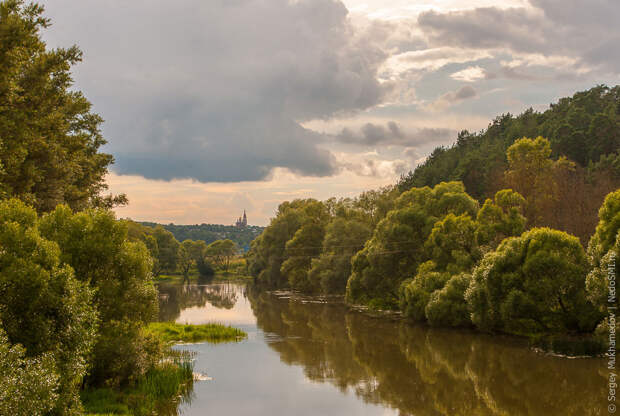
{"type": "Point", "coordinates": [164, 387]}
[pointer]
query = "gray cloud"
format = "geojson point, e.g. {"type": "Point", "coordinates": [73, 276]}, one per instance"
{"type": "Point", "coordinates": [216, 90]}
{"type": "Point", "coordinates": [452, 97]}
{"type": "Point", "coordinates": [393, 134]}
{"type": "Point", "coordinates": [582, 30]}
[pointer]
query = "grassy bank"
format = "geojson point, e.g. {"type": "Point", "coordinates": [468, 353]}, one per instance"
{"type": "Point", "coordinates": [165, 386]}
{"type": "Point", "coordinates": [159, 391]}
{"type": "Point", "coordinates": [171, 332]}
{"type": "Point", "coordinates": [195, 278]}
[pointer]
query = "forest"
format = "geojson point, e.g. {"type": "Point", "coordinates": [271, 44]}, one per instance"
{"type": "Point", "coordinates": [242, 236]}
{"type": "Point", "coordinates": [510, 230]}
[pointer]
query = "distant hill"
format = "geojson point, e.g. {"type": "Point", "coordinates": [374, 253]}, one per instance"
{"type": "Point", "coordinates": [212, 232]}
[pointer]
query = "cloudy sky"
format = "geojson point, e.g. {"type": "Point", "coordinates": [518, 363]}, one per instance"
{"type": "Point", "coordinates": [215, 106]}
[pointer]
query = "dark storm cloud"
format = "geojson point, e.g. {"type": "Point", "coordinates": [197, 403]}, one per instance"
{"type": "Point", "coordinates": [393, 135]}
{"type": "Point", "coordinates": [215, 90]}
{"type": "Point", "coordinates": [584, 30]}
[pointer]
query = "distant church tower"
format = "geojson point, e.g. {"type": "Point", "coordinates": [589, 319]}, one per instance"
{"type": "Point", "coordinates": [242, 221]}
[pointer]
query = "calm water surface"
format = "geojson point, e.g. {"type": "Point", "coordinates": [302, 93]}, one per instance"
{"type": "Point", "coordinates": [304, 357]}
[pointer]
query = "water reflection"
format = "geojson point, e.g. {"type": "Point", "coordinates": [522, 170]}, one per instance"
{"type": "Point", "coordinates": [312, 359]}
{"type": "Point", "coordinates": [204, 302]}
{"type": "Point", "coordinates": [423, 371]}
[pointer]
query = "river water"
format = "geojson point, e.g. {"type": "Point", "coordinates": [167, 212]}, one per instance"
{"type": "Point", "coordinates": [307, 357]}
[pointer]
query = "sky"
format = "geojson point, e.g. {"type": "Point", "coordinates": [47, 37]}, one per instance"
{"type": "Point", "coordinates": [213, 107]}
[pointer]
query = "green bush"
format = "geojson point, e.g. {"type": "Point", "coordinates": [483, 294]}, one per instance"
{"type": "Point", "coordinates": [447, 306]}
{"type": "Point", "coordinates": [604, 252]}
{"type": "Point", "coordinates": [28, 385]}
{"type": "Point", "coordinates": [399, 244]}
{"type": "Point", "coordinates": [96, 246]}
{"type": "Point", "coordinates": [534, 283]}
{"type": "Point", "coordinates": [42, 305]}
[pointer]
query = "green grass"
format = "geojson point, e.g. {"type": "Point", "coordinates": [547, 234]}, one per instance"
{"type": "Point", "coordinates": [158, 392]}
{"type": "Point", "coordinates": [215, 333]}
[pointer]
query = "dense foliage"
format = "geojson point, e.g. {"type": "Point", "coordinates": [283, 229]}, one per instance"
{"type": "Point", "coordinates": [23, 378]}
{"type": "Point", "coordinates": [95, 245]}
{"type": "Point", "coordinates": [396, 248]}
{"type": "Point", "coordinates": [532, 283]}
{"type": "Point", "coordinates": [49, 138]}
{"type": "Point", "coordinates": [45, 311]}
{"type": "Point", "coordinates": [438, 257]}
{"type": "Point", "coordinates": [603, 254]}
{"type": "Point", "coordinates": [583, 128]}
{"type": "Point", "coordinates": [583, 133]}
{"type": "Point", "coordinates": [309, 244]}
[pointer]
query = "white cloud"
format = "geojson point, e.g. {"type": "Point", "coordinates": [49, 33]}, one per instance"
{"type": "Point", "coordinates": [469, 74]}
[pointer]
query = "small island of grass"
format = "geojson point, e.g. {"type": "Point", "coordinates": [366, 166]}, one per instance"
{"type": "Point", "coordinates": [214, 333]}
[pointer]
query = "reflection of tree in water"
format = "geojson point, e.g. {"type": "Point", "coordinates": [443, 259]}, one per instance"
{"type": "Point", "coordinates": [425, 371]}
{"type": "Point", "coordinates": [175, 297]}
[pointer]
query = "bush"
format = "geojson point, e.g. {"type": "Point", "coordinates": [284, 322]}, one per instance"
{"type": "Point", "coordinates": [397, 247]}
{"type": "Point", "coordinates": [42, 306]}
{"type": "Point", "coordinates": [534, 283]}
{"type": "Point", "coordinates": [28, 386]}
{"type": "Point", "coordinates": [447, 307]}
{"type": "Point", "coordinates": [96, 246]}
{"type": "Point", "coordinates": [604, 252]}
{"type": "Point", "coordinates": [205, 268]}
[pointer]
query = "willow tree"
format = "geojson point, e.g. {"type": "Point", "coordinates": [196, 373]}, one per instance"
{"type": "Point", "coordinates": [534, 283]}
{"type": "Point", "coordinates": [396, 248]}
{"type": "Point", "coordinates": [49, 137]}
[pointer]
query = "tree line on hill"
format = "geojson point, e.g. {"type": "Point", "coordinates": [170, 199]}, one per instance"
{"type": "Point", "coordinates": [584, 136]}
{"type": "Point", "coordinates": [513, 262]}
{"type": "Point", "coordinates": [242, 236]}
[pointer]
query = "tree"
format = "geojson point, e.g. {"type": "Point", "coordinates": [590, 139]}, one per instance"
{"type": "Point", "coordinates": [190, 254]}
{"type": "Point", "coordinates": [534, 283]}
{"type": "Point", "coordinates": [28, 386]}
{"type": "Point", "coordinates": [396, 248]}
{"type": "Point", "coordinates": [603, 255]}
{"type": "Point", "coordinates": [530, 172]}
{"type": "Point", "coordinates": [582, 128]}
{"type": "Point", "coordinates": [500, 218]}
{"type": "Point", "coordinates": [266, 253]}
{"type": "Point", "coordinates": [45, 309]}
{"type": "Point", "coordinates": [96, 246]}
{"type": "Point", "coordinates": [447, 306]}
{"type": "Point", "coordinates": [167, 251]}
{"type": "Point", "coordinates": [305, 245]}
{"type": "Point", "coordinates": [451, 249]}
{"type": "Point", "coordinates": [221, 252]}
{"type": "Point", "coordinates": [49, 137]}
{"type": "Point", "coordinates": [345, 235]}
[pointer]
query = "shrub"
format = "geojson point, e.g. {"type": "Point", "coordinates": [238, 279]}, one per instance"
{"type": "Point", "coordinates": [531, 284]}
{"type": "Point", "coordinates": [96, 246]}
{"type": "Point", "coordinates": [603, 253]}
{"type": "Point", "coordinates": [42, 306]}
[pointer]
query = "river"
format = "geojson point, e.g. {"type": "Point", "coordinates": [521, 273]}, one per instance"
{"type": "Point", "coordinates": [306, 357]}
